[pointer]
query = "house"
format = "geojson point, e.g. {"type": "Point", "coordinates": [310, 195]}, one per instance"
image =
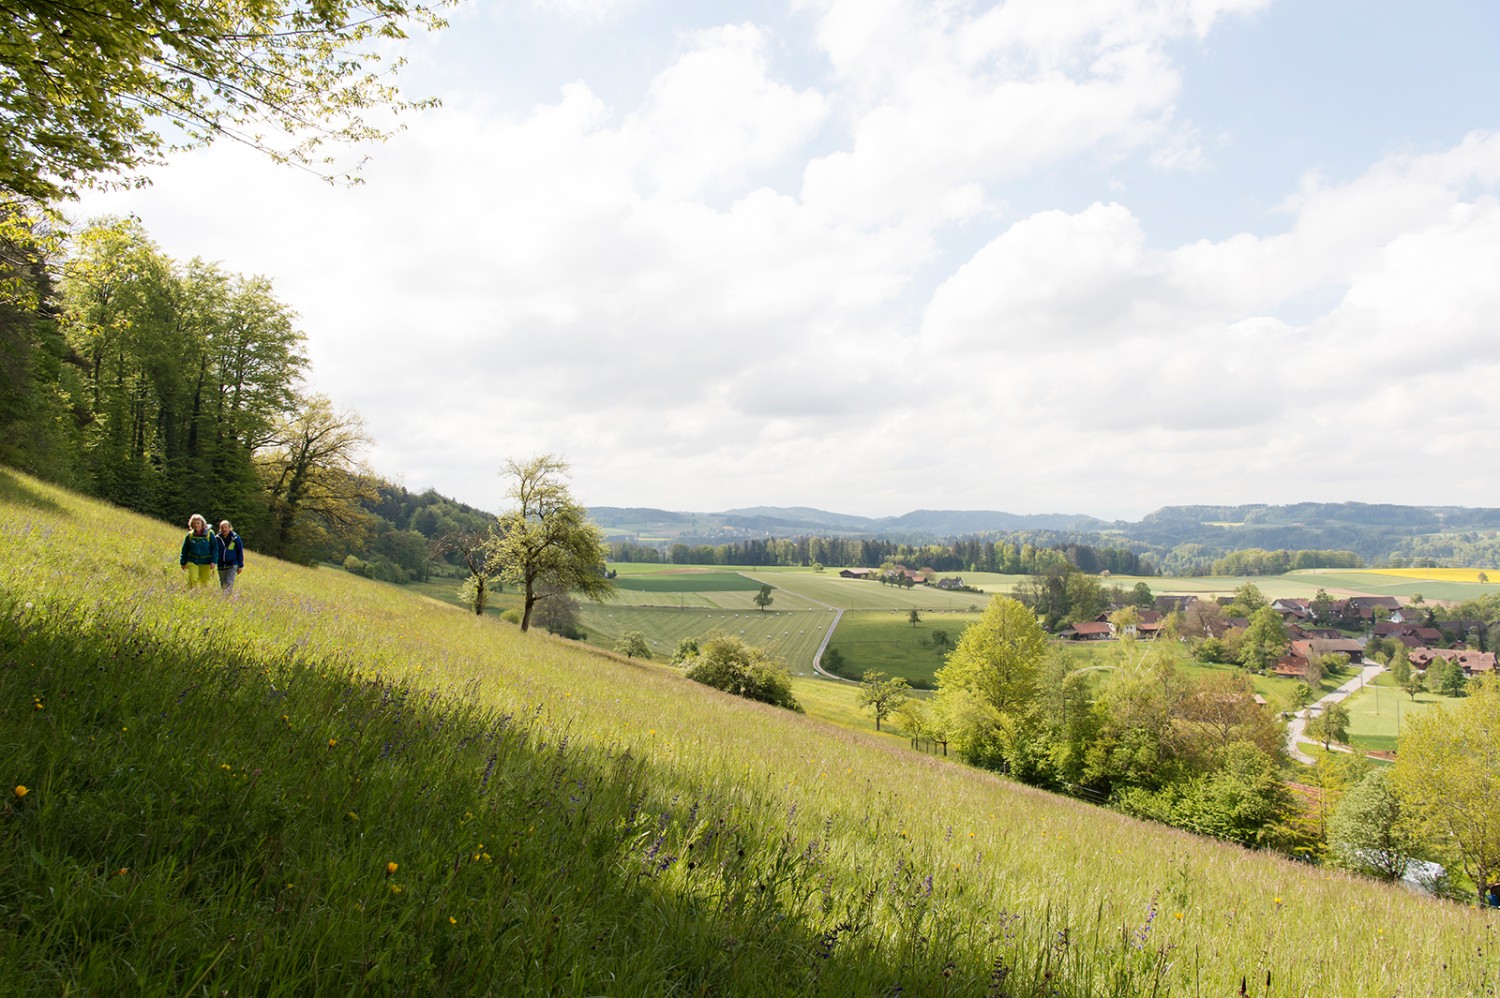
{"type": "Point", "coordinates": [956, 582]}
{"type": "Point", "coordinates": [1472, 662]}
{"type": "Point", "coordinates": [1174, 604]}
{"type": "Point", "coordinates": [1318, 647]}
{"type": "Point", "coordinates": [1408, 615]}
{"type": "Point", "coordinates": [856, 573]}
{"type": "Point", "coordinates": [1088, 630]}
{"type": "Point", "coordinates": [1293, 608]}
{"type": "Point", "coordinates": [1291, 666]}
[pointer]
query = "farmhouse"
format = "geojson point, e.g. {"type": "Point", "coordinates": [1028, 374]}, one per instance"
{"type": "Point", "coordinates": [856, 573]}
{"type": "Point", "coordinates": [956, 582]}
{"type": "Point", "coordinates": [1088, 630]}
{"type": "Point", "coordinates": [1293, 608]}
{"type": "Point", "coordinates": [1472, 662]}
{"type": "Point", "coordinates": [1318, 647]}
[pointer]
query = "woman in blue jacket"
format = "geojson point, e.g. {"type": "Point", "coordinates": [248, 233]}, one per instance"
{"type": "Point", "coordinates": [229, 552]}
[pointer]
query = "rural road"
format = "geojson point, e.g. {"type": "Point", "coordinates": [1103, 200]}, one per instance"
{"type": "Point", "coordinates": [1294, 731]}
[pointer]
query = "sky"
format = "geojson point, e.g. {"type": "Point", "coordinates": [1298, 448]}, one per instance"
{"type": "Point", "coordinates": [873, 256]}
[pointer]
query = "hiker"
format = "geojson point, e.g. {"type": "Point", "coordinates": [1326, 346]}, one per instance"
{"type": "Point", "coordinates": [229, 553]}
{"type": "Point", "coordinates": [198, 552]}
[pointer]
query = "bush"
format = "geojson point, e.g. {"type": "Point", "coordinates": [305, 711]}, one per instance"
{"type": "Point", "coordinates": [729, 664]}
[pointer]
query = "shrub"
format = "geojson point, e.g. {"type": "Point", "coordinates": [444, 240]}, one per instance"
{"type": "Point", "coordinates": [729, 664]}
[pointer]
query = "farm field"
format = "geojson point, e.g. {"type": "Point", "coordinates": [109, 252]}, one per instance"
{"type": "Point", "coordinates": [1379, 711]}
{"type": "Point", "coordinates": [886, 640]}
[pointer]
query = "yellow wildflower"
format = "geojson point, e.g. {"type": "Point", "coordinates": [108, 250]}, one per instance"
{"type": "Point", "coordinates": [391, 868]}
{"type": "Point", "coordinates": [22, 791]}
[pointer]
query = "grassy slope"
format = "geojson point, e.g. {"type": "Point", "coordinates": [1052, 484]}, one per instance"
{"type": "Point", "coordinates": [216, 790]}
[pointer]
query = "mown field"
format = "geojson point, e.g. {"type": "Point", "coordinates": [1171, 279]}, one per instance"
{"type": "Point", "coordinates": [329, 786]}
{"type": "Point", "coordinates": [887, 641]}
{"type": "Point", "coordinates": [1379, 712]}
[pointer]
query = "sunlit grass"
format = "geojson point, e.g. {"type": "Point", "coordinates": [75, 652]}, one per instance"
{"type": "Point", "coordinates": [327, 785]}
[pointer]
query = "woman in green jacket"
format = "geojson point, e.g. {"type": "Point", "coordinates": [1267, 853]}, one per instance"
{"type": "Point", "coordinates": [198, 552]}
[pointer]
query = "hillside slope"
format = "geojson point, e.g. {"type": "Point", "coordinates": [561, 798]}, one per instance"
{"type": "Point", "coordinates": [325, 785]}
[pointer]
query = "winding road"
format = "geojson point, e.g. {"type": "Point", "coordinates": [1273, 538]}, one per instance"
{"type": "Point", "coordinates": [1295, 732]}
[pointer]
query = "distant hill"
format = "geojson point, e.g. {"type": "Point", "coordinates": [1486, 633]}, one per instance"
{"type": "Point", "coordinates": [1181, 539]}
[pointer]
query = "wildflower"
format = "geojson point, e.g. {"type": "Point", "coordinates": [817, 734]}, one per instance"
{"type": "Point", "coordinates": [391, 868]}
{"type": "Point", "coordinates": [332, 742]}
{"type": "Point", "coordinates": [224, 766]}
{"type": "Point", "coordinates": [122, 871]}
{"type": "Point", "coordinates": [1178, 916]}
{"type": "Point", "coordinates": [1276, 901]}
{"type": "Point", "coordinates": [452, 920]}
{"type": "Point", "coordinates": [397, 888]}
{"type": "Point", "coordinates": [22, 791]}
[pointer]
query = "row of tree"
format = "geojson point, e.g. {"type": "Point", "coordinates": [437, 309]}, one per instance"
{"type": "Point", "coordinates": [169, 388]}
{"type": "Point", "coordinates": [1015, 554]}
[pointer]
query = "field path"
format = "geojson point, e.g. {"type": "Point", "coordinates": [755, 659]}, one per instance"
{"type": "Point", "coordinates": [1295, 730]}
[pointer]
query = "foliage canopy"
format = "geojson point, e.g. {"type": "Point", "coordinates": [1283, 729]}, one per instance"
{"type": "Point", "coordinates": [86, 88]}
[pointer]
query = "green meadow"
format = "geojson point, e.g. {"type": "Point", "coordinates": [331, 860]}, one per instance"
{"type": "Point", "coordinates": [1379, 712]}
{"type": "Point", "coordinates": [325, 785]}
{"type": "Point", "coordinates": [886, 640]}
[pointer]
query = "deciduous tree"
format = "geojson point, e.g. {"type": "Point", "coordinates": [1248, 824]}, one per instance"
{"type": "Point", "coordinates": [546, 544]}
{"type": "Point", "coordinates": [109, 85]}
{"type": "Point", "coordinates": [632, 644]}
{"type": "Point", "coordinates": [1447, 780]}
{"type": "Point", "coordinates": [882, 694]}
{"type": "Point", "coordinates": [764, 598]}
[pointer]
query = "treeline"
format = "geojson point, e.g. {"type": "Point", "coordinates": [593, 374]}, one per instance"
{"type": "Point", "coordinates": [1022, 554]}
{"type": "Point", "coordinates": [171, 388]}
{"type": "Point", "coordinates": [1254, 561]}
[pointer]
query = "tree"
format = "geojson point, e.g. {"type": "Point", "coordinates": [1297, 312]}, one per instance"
{"type": "Point", "coordinates": [546, 545]}
{"type": "Point", "coordinates": [633, 644]}
{"type": "Point", "coordinates": [1331, 725]}
{"type": "Point", "coordinates": [686, 650]}
{"type": "Point", "coordinates": [987, 690]}
{"type": "Point", "coordinates": [1141, 595]}
{"type": "Point", "coordinates": [914, 618]}
{"type": "Point", "coordinates": [1415, 683]}
{"type": "Point", "coordinates": [1321, 608]}
{"type": "Point", "coordinates": [1247, 600]}
{"type": "Point", "coordinates": [1447, 780]}
{"type": "Point", "coordinates": [729, 664]}
{"type": "Point", "coordinates": [1265, 639]}
{"type": "Point", "coordinates": [1366, 833]}
{"type": "Point", "coordinates": [882, 694]}
{"type": "Point", "coordinates": [764, 598]}
{"type": "Point", "coordinates": [471, 546]}
{"type": "Point", "coordinates": [314, 478]}
{"type": "Point", "coordinates": [1126, 621]}
{"type": "Point", "coordinates": [109, 86]}
{"type": "Point", "coordinates": [939, 639]}
{"type": "Point", "coordinates": [1401, 665]}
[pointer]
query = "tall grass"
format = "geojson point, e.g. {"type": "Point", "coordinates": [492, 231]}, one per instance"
{"type": "Point", "coordinates": [324, 785]}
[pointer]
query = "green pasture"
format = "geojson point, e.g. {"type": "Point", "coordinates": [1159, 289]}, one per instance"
{"type": "Point", "coordinates": [326, 785]}
{"type": "Point", "coordinates": [885, 640]}
{"type": "Point", "coordinates": [1378, 712]}
{"type": "Point", "coordinates": [827, 589]}
{"type": "Point", "coordinates": [791, 635]}
{"type": "Point", "coordinates": [687, 582]}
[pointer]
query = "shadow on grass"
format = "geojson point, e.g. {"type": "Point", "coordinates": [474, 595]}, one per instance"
{"type": "Point", "coordinates": [213, 822]}
{"type": "Point", "coordinates": [14, 490]}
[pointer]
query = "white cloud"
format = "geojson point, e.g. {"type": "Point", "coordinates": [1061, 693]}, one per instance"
{"type": "Point", "coordinates": [636, 283]}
